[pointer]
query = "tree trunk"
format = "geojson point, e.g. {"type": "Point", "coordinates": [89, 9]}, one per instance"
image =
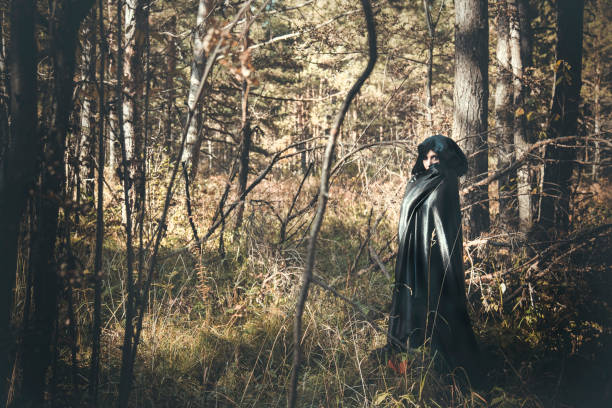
{"type": "Point", "coordinates": [125, 378]}
{"type": "Point", "coordinates": [470, 97]}
{"type": "Point", "coordinates": [86, 151]}
{"type": "Point", "coordinates": [523, 185]}
{"type": "Point", "coordinates": [17, 167]}
{"type": "Point", "coordinates": [113, 130]}
{"type": "Point", "coordinates": [191, 154]}
{"type": "Point", "coordinates": [97, 276]}
{"type": "Point", "coordinates": [245, 130]}
{"type": "Point", "coordinates": [39, 335]}
{"type": "Point", "coordinates": [554, 204]}
{"type": "Point", "coordinates": [170, 93]}
{"type": "Point", "coordinates": [431, 28]}
{"type": "Point", "coordinates": [596, 117]}
{"type": "Point", "coordinates": [503, 115]}
{"type": "Point", "coordinates": [315, 227]}
{"type": "Point", "coordinates": [133, 81]}
{"type": "Point", "coordinates": [245, 147]}
{"type": "Point", "coordinates": [525, 16]}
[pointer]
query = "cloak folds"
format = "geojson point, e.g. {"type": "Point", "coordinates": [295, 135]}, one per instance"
{"type": "Point", "coordinates": [429, 300]}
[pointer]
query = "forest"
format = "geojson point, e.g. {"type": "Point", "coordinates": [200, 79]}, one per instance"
{"type": "Point", "coordinates": [199, 200]}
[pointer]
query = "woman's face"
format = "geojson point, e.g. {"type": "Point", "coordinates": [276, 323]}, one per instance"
{"type": "Point", "coordinates": [430, 158]}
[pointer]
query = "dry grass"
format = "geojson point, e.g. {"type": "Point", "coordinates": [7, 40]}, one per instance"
{"type": "Point", "coordinates": [218, 331]}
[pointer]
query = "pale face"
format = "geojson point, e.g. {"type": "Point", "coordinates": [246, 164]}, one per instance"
{"type": "Point", "coordinates": [430, 158]}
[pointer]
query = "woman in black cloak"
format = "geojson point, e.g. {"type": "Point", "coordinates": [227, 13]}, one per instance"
{"type": "Point", "coordinates": [429, 301]}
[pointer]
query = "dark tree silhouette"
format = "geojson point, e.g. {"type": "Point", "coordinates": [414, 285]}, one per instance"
{"type": "Point", "coordinates": [17, 164]}
{"type": "Point", "coordinates": [563, 121]}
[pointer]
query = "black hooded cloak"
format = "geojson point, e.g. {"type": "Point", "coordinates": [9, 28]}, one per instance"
{"type": "Point", "coordinates": [429, 300]}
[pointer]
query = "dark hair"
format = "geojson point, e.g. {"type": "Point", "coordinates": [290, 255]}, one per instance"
{"type": "Point", "coordinates": [450, 155]}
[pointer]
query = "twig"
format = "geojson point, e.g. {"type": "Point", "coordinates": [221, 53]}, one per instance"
{"type": "Point", "coordinates": [321, 283]}
{"type": "Point", "coordinates": [379, 263]}
{"type": "Point", "coordinates": [283, 229]}
{"type": "Point", "coordinates": [362, 246]}
{"type": "Point", "coordinates": [300, 32]}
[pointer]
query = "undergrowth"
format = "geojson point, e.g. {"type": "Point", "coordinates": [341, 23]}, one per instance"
{"type": "Point", "coordinates": [219, 328]}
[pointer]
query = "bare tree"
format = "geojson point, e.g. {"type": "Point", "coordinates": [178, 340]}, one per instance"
{"type": "Point", "coordinates": [85, 144]}
{"type": "Point", "coordinates": [38, 335]}
{"type": "Point", "coordinates": [245, 124]}
{"type": "Point", "coordinates": [504, 113]}
{"type": "Point", "coordinates": [136, 14]}
{"type": "Point", "coordinates": [523, 185]}
{"type": "Point", "coordinates": [471, 96]}
{"type": "Point", "coordinates": [307, 275]}
{"type": "Point", "coordinates": [97, 276]}
{"type": "Point", "coordinates": [17, 164]}
{"type": "Point", "coordinates": [431, 28]}
{"type": "Point", "coordinates": [191, 154]}
{"type": "Point", "coordinates": [555, 201]}
{"type": "Point", "coordinates": [171, 55]}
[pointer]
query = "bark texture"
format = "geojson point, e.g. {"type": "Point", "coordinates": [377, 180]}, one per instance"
{"type": "Point", "coordinates": [504, 114]}
{"type": "Point", "coordinates": [133, 85]}
{"type": "Point", "coordinates": [554, 205]}
{"type": "Point", "coordinates": [471, 96]}
{"type": "Point", "coordinates": [191, 154]}
{"type": "Point", "coordinates": [523, 186]}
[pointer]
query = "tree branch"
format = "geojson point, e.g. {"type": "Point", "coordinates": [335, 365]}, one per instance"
{"type": "Point", "coordinates": [322, 202]}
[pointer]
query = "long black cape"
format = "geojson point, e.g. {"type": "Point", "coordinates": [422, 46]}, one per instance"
{"type": "Point", "coordinates": [429, 300]}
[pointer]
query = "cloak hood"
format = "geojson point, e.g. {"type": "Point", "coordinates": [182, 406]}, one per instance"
{"type": "Point", "coordinates": [450, 154]}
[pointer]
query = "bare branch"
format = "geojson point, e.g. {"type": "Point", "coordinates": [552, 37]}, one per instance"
{"type": "Point", "coordinates": [322, 202]}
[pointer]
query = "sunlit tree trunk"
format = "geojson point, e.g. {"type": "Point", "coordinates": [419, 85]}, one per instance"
{"type": "Point", "coordinates": [85, 169]}
{"type": "Point", "coordinates": [133, 84]}
{"type": "Point", "coordinates": [600, 31]}
{"type": "Point", "coordinates": [554, 204]}
{"type": "Point", "coordinates": [169, 80]}
{"type": "Point", "coordinates": [504, 114]}
{"type": "Point", "coordinates": [470, 98]}
{"type": "Point", "coordinates": [521, 144]}
{"type": "Point", "coordinates": [597, 117]}
{"type": "Point", "coordinates": [191, 154]}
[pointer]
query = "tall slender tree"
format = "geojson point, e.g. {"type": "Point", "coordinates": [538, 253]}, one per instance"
{"type": "Point", "coordinates": [63, 33]}
{"type": "Point", "coordinates": [94, 366]}
{"type": "Point", "coordinates": [554, 211]}
{"type": "Point", "coordinates": [17, 169]}
{"type": "Point", "coordinates": [523, 186]}
{"type": "Point", "coordinates": [431, 29]}
{"type": "Point", "coordinates": [503, 113]}
{"type": "Point", "coordinates": [136, 14]}
{"type": "Point", "coordinates": [245, 124]}
{"type": "Point", "coordinates": [191, 154]}
{"type": "Point", "coordinates": [170, 61]}
{"type": "Point", "coordinates": [471, 95]}
{"type": "Point", "coordinates": [86, 150]}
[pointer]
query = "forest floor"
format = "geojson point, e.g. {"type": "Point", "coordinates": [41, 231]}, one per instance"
{"type": "Point", "coordinates": [219, 327]}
